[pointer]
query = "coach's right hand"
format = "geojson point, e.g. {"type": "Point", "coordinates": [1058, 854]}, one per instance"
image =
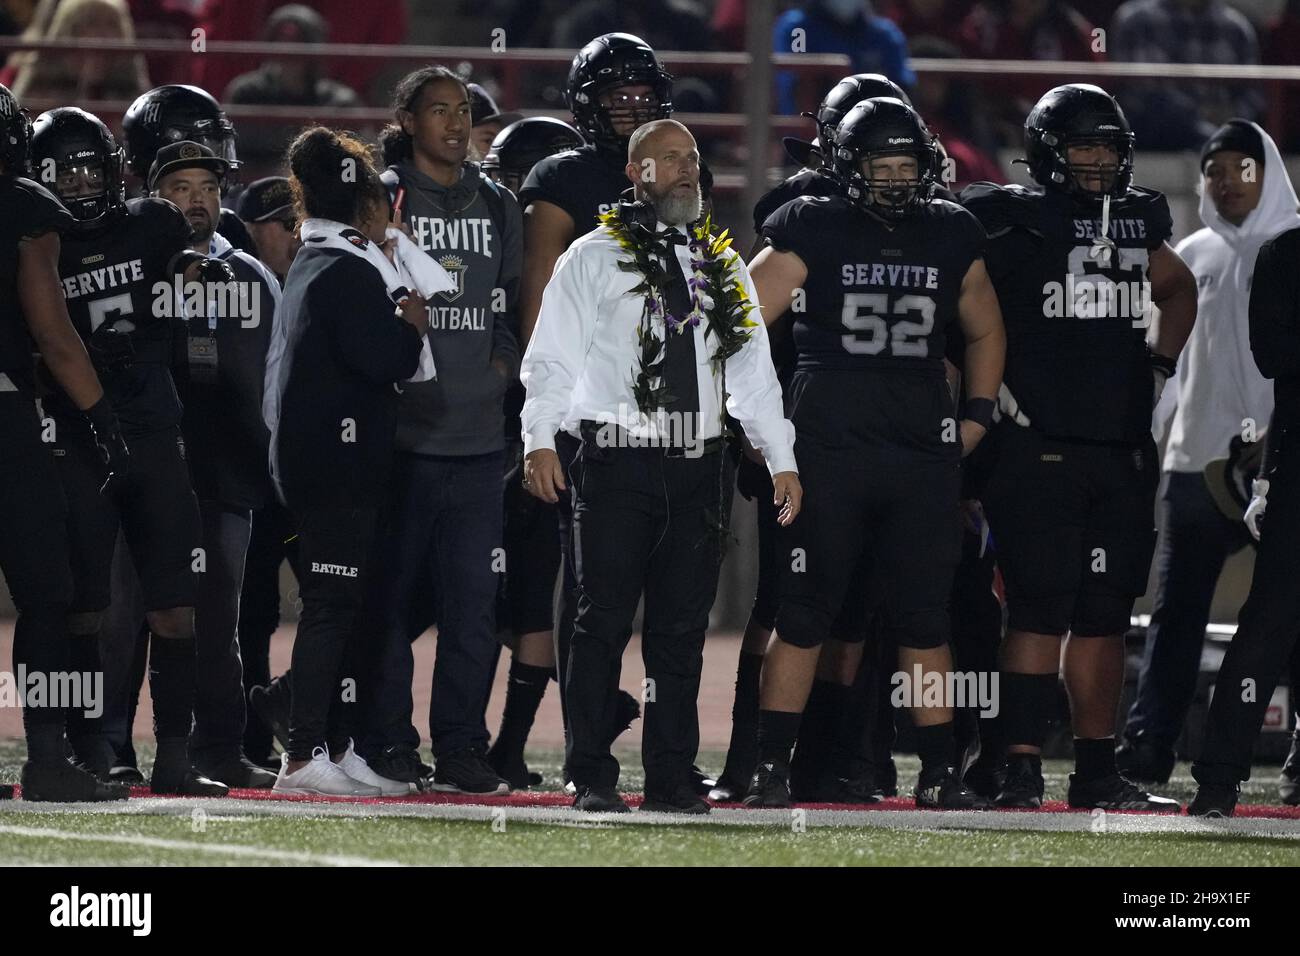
{"type": "Point", "coordinates": [543, 474]}
{"type": "Point", "coordinates": [787, 494]}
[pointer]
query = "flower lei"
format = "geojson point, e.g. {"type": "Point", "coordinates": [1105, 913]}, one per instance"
{"type": "Point", "coordinates": [717, 298]}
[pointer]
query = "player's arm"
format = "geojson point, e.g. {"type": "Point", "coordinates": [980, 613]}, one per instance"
{"type": "Point", "coordinates": [548, 230]}
{"type": "Point", "coordinates": [1173, 290]}
{"type": "Point", "coordinates": [1274, 314]}
{"type": "Point", "coordinates": [986, 351]}
{"type": "Point", "coordinates": [46, 312]}
{"type": "Point", "coordinates": [777, 276]}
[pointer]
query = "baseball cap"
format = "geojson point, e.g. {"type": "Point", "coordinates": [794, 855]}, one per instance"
{"type": "Point", "coordinates": [265, 199]}
{"type": "Point", "coordinates": [185, 155]}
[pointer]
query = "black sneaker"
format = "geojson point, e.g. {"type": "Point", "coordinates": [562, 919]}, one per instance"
{"type": "Point", "coordinates": [58, 781]}
{"type": "Point", "coordinates": [1214, 800]}
{"type": "Point", "coordinates": [849, 790]}
{"type": "Point", "coordinates": [727, 790]}
{"type": "Point", "coordinates": [682, 800]}
{"type": "Point", "coordinates": [399, 763]}
{"type": "Point", "coordinates": [1022, 783]}
{"type": "Point", "coordinates": [185, 781]}
{"type": "Point", "coordinates": [1113, 792]}
{"type": "Point", "coordinates": [465, 771]}
{"type": "Point", "coordinates": [1144, 762]}
{"type": "Point", "coordinates": [1288, 782]}
{"type": "Point", "coordinates": [235, 772]}
{"type": "Point", "coordinates": [943, 790]}
{"type": "Point", "coordinates": [599, 800]}
{"type": "Point", "coordinates": [769, 787]}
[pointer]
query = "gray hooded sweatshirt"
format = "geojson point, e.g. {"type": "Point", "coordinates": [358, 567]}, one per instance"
{"type": "Point", "coordinates": [460, 412]}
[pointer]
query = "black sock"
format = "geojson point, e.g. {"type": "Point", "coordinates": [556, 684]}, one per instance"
{"type": "Point", "coordinates": [524, 691]}
{"type": "Point", "coordinates": [777, 730]}
{"type": "Point", "coordinates": [817, 729]}
{"type": "Point", "coordinates": [83, 658]}
{"type": "Point", "coordinates": [934, 746]}
{"type": "Point", "coordinates": [742, 750]}
{"type": "Point", "coordinates": [1029, 701]}
{"type": "Point", "coordinates": [1094, 759]}
{"type": "Point", "coordinates": [171, 683]}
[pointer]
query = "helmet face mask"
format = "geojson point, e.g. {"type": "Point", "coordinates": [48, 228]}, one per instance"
{"type": "Point", "coordinates": [15, 134]}
{"type": "Point", "coordinates": [885, 158]}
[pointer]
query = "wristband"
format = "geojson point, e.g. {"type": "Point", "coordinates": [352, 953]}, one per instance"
{"type": "Point", "coordinates": [1161, 363]}
{"type": "Point", "coordinates": [980, 411]}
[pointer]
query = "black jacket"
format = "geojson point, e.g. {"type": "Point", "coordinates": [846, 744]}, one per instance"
{"type": "Point", "coordinates": [344, 350]}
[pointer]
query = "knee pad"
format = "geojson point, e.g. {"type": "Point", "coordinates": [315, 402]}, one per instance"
{"type": "Point", "coordinates": [921, 630]}
{"type": "Point", "coordinates": [1042, 615]}
{"type": "Point", "coordinates": [1029, 704]}
{"type": "Point", "coordinates": [1101, 615]}
{"type": "Point", "coordinates": [173, 623]}
{"type": "Point", "coordinates": [800, 624]}
{"type": "Point", "coordinates": [85, 623]}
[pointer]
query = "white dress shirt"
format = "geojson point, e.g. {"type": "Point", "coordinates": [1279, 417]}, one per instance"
{"type": "Point", "coordinates": [582, 360]}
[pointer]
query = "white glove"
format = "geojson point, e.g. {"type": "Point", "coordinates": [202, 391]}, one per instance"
{"type": "Point", "coordinates": [1255, 510]}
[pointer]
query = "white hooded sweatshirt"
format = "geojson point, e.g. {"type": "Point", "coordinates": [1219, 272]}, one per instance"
{"type": "Point", "coordinates": [1218, 383]}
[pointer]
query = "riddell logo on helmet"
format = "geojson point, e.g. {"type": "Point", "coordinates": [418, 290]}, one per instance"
{"type": "Point", "coordinates": [895, 140]}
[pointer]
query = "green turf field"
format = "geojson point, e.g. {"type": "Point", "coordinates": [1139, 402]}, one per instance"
{"type": "Point", "coordinates": [160, 833]}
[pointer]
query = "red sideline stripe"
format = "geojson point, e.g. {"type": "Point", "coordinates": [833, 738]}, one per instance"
{"type": "Point", "coordinates": [556, 799]}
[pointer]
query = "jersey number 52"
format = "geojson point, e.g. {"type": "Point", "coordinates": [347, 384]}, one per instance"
{"type": "Point", "coordinates": [872, 333]}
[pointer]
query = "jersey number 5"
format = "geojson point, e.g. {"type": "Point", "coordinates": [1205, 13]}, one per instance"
{"type": "Point", "coordinates": [100, 309]}
{"type": "Point", "coordinates": [864, 315]}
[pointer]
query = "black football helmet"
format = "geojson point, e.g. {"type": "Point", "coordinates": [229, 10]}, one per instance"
{"type": "Point", "coordinates": [170, 114]}
{"type": "Point", "coordinates": [15, 134]}
{"type": "Point", "coordinates": [607, 62]}
{"type": "Point", "coordinates": [879, 127]}
{"type": "Point", "coordinates": [71, 148]}
{"type": "Point", "coordinates": [1072, 115]}
{"type": "Point", "coordinates": [518, 148]}
{"type": "Point", "coordinates": [843, 96]}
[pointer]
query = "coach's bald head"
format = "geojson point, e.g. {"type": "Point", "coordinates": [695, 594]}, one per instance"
{"type": "Point", "coordinates": [664, 166]}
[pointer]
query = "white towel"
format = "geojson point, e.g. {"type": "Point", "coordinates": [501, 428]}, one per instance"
{"type": "Point", "coordinates": [412, 269]}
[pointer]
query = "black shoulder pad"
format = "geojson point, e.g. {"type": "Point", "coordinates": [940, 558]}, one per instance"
{"type": "Point", "coordinates": [1001, 208]}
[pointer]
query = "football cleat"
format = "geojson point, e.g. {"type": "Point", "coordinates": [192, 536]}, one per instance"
{"type": "Point", "coordinates": [769, 787]}
{"type": "Point", "coordinates": [1113, 792]}
{"type": "Point", "coordinates": [943, 790]}
{"type": "Point", "coordinates": [1214, 800]}
{"type": "Point", "coordinates": [1022, 784]}
{"type": "Point", "coordinates": [599, 800]}
{"type": "Point", "coordinates": [57, 781]}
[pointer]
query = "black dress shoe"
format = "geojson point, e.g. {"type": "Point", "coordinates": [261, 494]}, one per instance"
{"type": "Point", "coordinates": [1214, 800]}
{"type": "Point", "coordinates": [58, 781]}
{"type": "Point", "coordinates": [682, 800]}
{"type": "Point", "coordinates": [599, 800]}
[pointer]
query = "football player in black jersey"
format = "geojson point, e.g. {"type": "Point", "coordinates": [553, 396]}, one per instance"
{"type": "Point", "coordinates": [1077, 263]}
{"type": "Point", "coordinates": [753, 481]}
{"type": "Point", "coordinates": [882, 272]}
{"type": "Point", "coordinates": [176, 113]}
{"type": "Point", "coordinates": [117, 269]}
{"type": "Point", "coordinates": [523, 144]}
{"type": "Point", "coordinates": [615, 86]}
{"type": "Point", "coordinates": [33, 516]}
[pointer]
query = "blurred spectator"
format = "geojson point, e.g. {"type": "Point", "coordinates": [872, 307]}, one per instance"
{"type": "Point", "coordinates": [1182, 114]}
{"type": "Point", "coordinates": [729, 25]}
{"type": "Point", "coordinates": [1281, 45]}
{"type": "Point", "coordinates": [292, 81]}
{"type": "Point", "coordinates": [664, 24]}
{"type": "Point", "coordinates": [85, 74]}
{"type": "Point", "coordinates": [919, 19]}
{"type": "Point", "coordinates": [172, 20]}
{"type": "Point", "coordinates": [486, 119]}
{"type": "Point", "coordinates": [374, 21]}
{"type": "Point", "coordinates": [953, 112]}
{"type": "Point", "coordinates": [1025, 30]}
{"type": "Point", "coordinates": [873, 44]}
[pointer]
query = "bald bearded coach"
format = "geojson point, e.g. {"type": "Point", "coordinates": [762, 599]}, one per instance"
{"type": "Point", "coordinates": [642, 365]}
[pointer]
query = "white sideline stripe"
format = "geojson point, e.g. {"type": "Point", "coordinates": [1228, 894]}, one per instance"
{"type": "Point", "coordinates": [229, 849]}
{"type": "Point", "coordinates": [930, 820]}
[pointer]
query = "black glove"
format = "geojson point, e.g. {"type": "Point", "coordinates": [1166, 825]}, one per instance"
{"type": "Point", "coordinates": [215, 270]}
{"type": "Point", "coordinates": [109, 443]}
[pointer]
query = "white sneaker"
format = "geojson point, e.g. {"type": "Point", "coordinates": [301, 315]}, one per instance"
{"type": "Point", "coordinates": [321, 777]}
{"type": "Point", "coordinates": [355, 766]}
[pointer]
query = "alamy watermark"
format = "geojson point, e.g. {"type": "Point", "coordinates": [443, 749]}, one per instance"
{"type": "Point", "coordinates": [959, 689]}
{"type": "Point", "coordinates": [71, 690]}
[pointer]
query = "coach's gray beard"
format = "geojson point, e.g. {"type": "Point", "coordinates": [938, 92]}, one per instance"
{"type": "Point", "coordinates": [677, 210]}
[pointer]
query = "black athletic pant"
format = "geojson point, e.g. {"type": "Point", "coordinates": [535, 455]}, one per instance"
{"type": "Point", "coordinates": [33, 547]}
{"type": "Point", "coordinates": [1266, 631]}
{"type": "Point", "coordinates": [566, 448]}
{"type": "Point", "coordinates": [336, 546]}
{"type": "Point", "coordinates": [272, 542]}
{"type": "Point", "coordinates": [642, 522]}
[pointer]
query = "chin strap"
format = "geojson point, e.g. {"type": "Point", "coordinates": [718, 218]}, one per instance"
{"type": "Point", "coordinates": [1104, 248]}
